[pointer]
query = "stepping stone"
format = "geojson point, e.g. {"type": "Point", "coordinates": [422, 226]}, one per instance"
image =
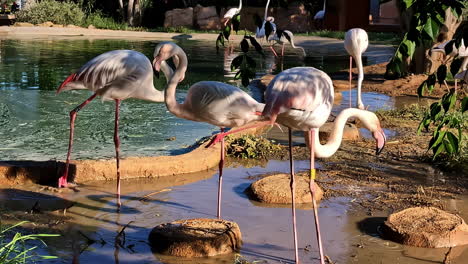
{"type": "Point", "coordinates": [426, 227]}
{"type": "Point", "coordinates": [275, 189]}
{"type": "Point", "coordinates": [199, 237]}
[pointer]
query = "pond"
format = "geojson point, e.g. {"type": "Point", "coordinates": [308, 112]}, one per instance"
{"type": "Point", "coordinates": [34, 121]}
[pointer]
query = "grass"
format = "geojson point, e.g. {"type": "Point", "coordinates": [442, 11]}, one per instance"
{"type": "Point", "coordinates": [15, 250]}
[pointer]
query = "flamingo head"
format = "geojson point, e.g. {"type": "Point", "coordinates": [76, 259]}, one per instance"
{"type": "Point", "coordinates": [270, 19]}
{"type": "Point", "coordinates": [163, 52]}
{"type": "Point", "coordinates": [372, 123]}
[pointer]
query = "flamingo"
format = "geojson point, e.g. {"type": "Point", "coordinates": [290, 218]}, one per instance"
{"type": "Point", "coordinates": [461, 51]}
{"type": "Point", "coordinates": [280, 37]}
{"type": "Point", "coordinates": [216, 103]}
{"type": "Point", "coordinates": [320, 15]}
{"type": "Point", "coordinates": [232, 12]}
{"type": "Point", "coordinates": [260, 33]}
{"type": "Point", "coordinates": [356, 42]}
{"type": "Point", "coordinates": [301, 98]}
{"type": "Point", "coordinates": [114, 75]}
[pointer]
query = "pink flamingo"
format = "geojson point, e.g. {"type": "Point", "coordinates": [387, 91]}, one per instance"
{"type": "Point", "coordinates": [301, 98]}
{"type": "Point", "coordinates": [231, 13]}
{"type": "Point", "coordinates": [211, 102]}
{"type": "Point", "coordinates": [356, 42]}
{"type": "Point", "coordinates": [114, 75]}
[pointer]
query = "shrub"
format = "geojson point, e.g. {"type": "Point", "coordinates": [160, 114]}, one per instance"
{"type": "Point", "coordinates": [98, 20]}
{"type": "Point", "coordinates": [64, 13]}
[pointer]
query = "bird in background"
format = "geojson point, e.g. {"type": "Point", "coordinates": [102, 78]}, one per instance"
{"type": "Point", "coordinates": [301, 98]}
{"type": "Point", "coordinates": [320, 16]}
{"type": "Point", "coordinates": [356, 43]}
{"type": "Point", "coordinates": [211, 102]}
{"type": "Point", "coordinates": [231, 13]}
{"type": "Point", "coordinates": [267, 28]}
{"type": "Point", "coordinates": [114, 75]}
{"type": "Point", "coordinates": [461, 51]}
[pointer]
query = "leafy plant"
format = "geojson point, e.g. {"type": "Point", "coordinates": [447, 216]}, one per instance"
{"type": "Point", "coordinates": [63, 13]}
{"type": "Point", "coordinates": [251, 147]}
{"type": "Point", "coordinates": [427, 18]}
{"type": "Point", "coordinates": [226, 32]}
{"type": "Point", "coordinates": [14, 250]}
{"type": "Point", "coordinates": [245, 64]}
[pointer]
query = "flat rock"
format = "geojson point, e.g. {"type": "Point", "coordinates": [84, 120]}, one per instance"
{"type": "Point", "coordinates": [23, 24]}
{"type": "Point", "coordinates": [46, 24]}
{"type": "Point", "coordinates": [426, 227]}
{"type": "Point", "coordinates": [200, 237]}
{"type": "Point", "coordinates": [179, 18]}
{"type": "Point", "coordinates": [275, 189]}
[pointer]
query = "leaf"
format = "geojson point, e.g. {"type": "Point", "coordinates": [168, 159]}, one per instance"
{"type": "Point", "coordinates": [258, 20]}
{"type": "Point", "coordinates": [448, 147]}
{"type": "Point", "coordinates": [244, 45]}
{"type": "Point", "coordinates": [441, 73]}
{"type": "Point", "coordinates": [437, 150]}
{"type": "Point", "coordinates": [421, 88]}
{"type": "Point", "coordinates": [236, 22]}
{"type": "Point", "coordinates": [245, 80]}
{"type": "Point", "coordinates": [256, 45]}
{"type": "Point", "coordinates": [455, 66]}
{"type": "Point", "coordinates": [227, 32]}
{"type": "Point", "coordinates": [424, 124]}
{"type": "Point", "coordinates": [408, 3]}
{"type": "Point", "coordinates": [268, 29]}
{"type": "Point", "coordinates": [431, 28]}
{"type": "Point", "coordinates": [408, 47]}
{"type": "Point", "coordinates": [454, 142]}
{"type": "Point", "coordinates": [448, 100]}
{"type": "Point", "coordinates": [219, 40]}
{"type": "Point", "coordinates": [238, 74]}
{"type": "Point", "coordinates": [464, 104]}
{"type": "Point", "coordinates": [251, 62]}
{"type": "Point", "coordinates": [236, 62]}
{"type": "Point", "coordinates": [435, 111]}
{"type": "Point", "coordinates": [448, 48]}
{"type": "Point", "coordinates": [438, 137]}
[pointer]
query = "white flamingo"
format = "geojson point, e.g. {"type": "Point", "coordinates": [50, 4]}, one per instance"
{"type": "Point", "coordinates": [211, 102]}
{"type": "Point", "coordinates": [356, 42]}
{"type": "Point", "coordinates": [232, 12]}
{"type": "Point", "coordinates": [114, 75]}
{"type": "Point", "coordinates": [320, 15]}
{"type": "Point", "coordinates": [461, 51]}
{"type": "Point", "coordinates": [260, 33]}
{"type": "Point", "coordinates": [301, 98]}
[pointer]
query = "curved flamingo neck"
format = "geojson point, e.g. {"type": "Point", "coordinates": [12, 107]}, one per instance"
{"type": "Point", "coordinates": [240, 5]}
{"type": "Point", "coordinates": [336, 136]}
{"type": "Point", "coordinates": [170, 91]}
{"type": "Point", "coordinates": [324, 5]}
{"type": "Point", "coordinates": [266, 10]}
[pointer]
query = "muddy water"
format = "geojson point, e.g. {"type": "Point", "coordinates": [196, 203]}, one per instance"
{"type": "Point", "coordinates": [349, 236]}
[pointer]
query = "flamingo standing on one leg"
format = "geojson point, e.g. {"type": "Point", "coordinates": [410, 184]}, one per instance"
{"type": "Point", "coordinates": [356, 42]}
{"type": "Point", "coordinates": [114, 75]}
{"type": "Point", "coordinates": [232, 12]}
{"type": "Point", "coordinates": [301, 98]}
{"type": "Point", "coordinates": [211, 102]}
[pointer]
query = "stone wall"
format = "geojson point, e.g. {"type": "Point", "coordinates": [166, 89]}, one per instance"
{"type": "Point", "coordinates": [296, 18]}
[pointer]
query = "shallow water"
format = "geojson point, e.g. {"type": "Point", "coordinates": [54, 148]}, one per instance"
{"type": "Point", "coordinates": [34, 121]}
{"type": "Point", "coordinates": [349, 236]}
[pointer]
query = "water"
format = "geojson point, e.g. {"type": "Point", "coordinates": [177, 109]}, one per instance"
{"type": "Point", "coordinates": [34, 121]}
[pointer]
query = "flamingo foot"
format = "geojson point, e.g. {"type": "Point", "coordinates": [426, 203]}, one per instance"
{"type": "Point", "coordinates": [218, 138]}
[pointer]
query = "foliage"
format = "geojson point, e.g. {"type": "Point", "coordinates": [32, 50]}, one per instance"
{"type": "Point", "coordinates": [428, 17]}
{"type": "Point", "coordinates": [99, 20]}
{"type": "Point", "coordinates": [244, 63]}
{"type": "Point", "coordinates": [15, 250]}
{"type": "Point", "coordinates": [374, 37]}
{"type": "Point", "coordinates": [63, 13]}
{"type": "Point", "coordinates": [250, 146]}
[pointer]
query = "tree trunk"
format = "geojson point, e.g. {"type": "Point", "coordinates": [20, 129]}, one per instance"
{"type": "Point", "coordinates": [121, 9]}
{"type": "Point", "coordinates": [137, 13]}
{"type": "Point", "coordinates": [130, 14]}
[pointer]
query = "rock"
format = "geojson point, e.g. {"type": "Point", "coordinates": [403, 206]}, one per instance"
{"type": "Point", "coordinates": [206, 18]}
{"type": "Point", "coordinates": [59, 26]}
{"type": "Point", "coordinates": [23, 24]}
{"type": "Point", "coordinates": [199, 237]}
{"type": "Point", "coordinates": [91, 27]}
{"type": "Point", "coordinates": [275, 189]}
{"type": "Point", "coordinates": [350, 132]}
{"type": "Point", "coordinates": [426, 227]}
{"type": "Point", "coordinates": [72, 26]}
{"type": "Point", "coordinates": [46, 24]}
{"type": "Point", "coordinates": [179, 18]}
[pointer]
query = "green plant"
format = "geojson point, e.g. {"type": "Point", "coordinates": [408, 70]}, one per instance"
{"type": "Point", "coordinates": [245, 64]}
{"type": "Point", "coordinates": [99, 20]}
{"type": "Point", "coordinates": [250, 147]}
{"type": "Point", "coordinates": [15, 250]}
{"type": "Point", "coordinates": [427, 18]}
{"type": "Point", "coordinates": [63, 13]}
{"type": "Point", "coordinates": [226, 32]}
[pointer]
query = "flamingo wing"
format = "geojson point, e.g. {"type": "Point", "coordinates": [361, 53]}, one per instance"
{"type": "Point", "coordinates": [231, 13]}
{"type": "Point", "coordinates": [113, 75]}
{"type": "Point", "coordinates": [356, 41]}
{"type": "Point", "coordinates": [299, 88]}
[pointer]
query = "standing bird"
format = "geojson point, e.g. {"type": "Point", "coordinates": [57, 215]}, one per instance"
{"type": "Point", "coordinates": [356, 42]}
{"type": "Point", "coordinates": [320, 16]}
{"type": "Point", "coordinates": [232, 12]}
{"type": "Point", "coordinates": [211, 102]}
{"type": "Point", "coordinates": [261, 33]}
{"type": "Point", "coordinates": [301, 98]}
{"type": "Point", "coordinates": [114, 75]}
{"type": "Point", "coordinates": [461, 51]}
{"type": "Point", "coordinates": [280, 37]}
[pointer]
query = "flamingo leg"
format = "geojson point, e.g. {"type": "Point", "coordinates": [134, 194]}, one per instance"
{"type": "Point", "coordinates": [274, 52]}
{"type": "Point", "coordinates": [350, 78]}
{"type": "Point", "coordinates": [293, 196]}
{"type": "Point", "coordinates": [117, 149]}
{"type": "Point", "coordinates": [282, 51]}
{"type": "Point", "coordinates": [220, 180]}
{"type": "Point", "coordinates": [311, 134]}
{"type": "Point", "coordinates": [220, 136]}
{"type": "Point", "coordinates": [63, 180]}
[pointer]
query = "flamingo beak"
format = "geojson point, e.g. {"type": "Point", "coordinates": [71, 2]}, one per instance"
{"type": "Point", "coordinates": [380, 138]}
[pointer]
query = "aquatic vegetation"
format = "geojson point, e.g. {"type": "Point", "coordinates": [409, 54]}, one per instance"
{"type": "Point", "coordinates": [251, 147]}
{"type": "Point", "coordinates": [14, 250]}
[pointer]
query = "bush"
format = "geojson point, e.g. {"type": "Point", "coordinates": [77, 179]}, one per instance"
{"type": "Point", "coordinates": [64, 13]}
{"type": "Point", "coordinates": [100, 21]}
